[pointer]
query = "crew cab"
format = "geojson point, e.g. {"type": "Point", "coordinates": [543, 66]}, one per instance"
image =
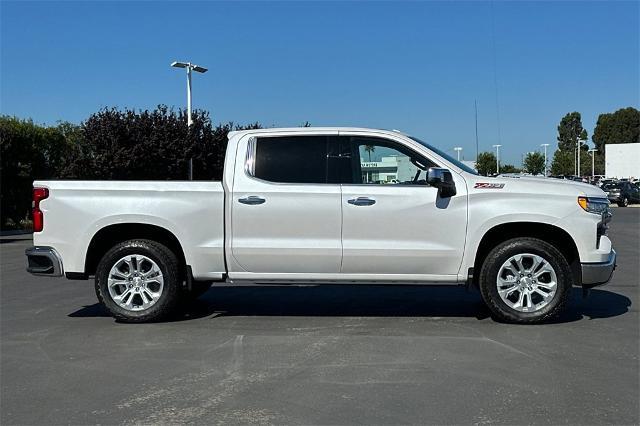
{"type": "Point", "coordinates": [326, 205]}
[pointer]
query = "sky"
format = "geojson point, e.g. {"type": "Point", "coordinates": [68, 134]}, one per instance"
{"type": "Point", "coordinates": [414, 66]}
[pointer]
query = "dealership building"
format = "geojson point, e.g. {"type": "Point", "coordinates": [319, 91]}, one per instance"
{"type": "Point", "coordinates": [388, 170]}
{"type": "Point", "coordinates": [622, 160]}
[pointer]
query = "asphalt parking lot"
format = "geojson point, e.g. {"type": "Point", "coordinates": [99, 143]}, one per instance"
{"type": "Point", "coordinates": [319, 355]}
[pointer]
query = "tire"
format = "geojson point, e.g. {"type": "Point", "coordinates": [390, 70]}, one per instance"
{"type": "Point", "coordinates": [624, 202]}
{"type": "Point", "coordinates": [515, 280]}
{"type": "Point", "coordinates": [133, 288]}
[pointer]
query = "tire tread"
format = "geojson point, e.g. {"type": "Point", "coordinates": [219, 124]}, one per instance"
{"type": "Point", "coordinates": [565, 281]}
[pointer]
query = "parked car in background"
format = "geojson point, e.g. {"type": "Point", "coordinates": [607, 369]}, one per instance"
{"type": "Point", "coordinates": [622, 193]}
{"type": "Point", "coordinates": [605, 181]}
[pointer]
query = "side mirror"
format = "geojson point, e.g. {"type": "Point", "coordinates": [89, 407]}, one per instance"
{"type": "Point", "coordinates": [443, 180]}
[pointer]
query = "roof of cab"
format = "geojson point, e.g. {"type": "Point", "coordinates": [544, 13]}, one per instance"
{"type": "Point", "coordinates": [312, 130]}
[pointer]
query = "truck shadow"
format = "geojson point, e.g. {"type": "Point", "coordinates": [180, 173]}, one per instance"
{"type": "Point", "coordinates": [365, 301]}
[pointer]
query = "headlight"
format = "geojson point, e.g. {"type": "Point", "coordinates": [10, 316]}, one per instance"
{"type": "Point", "coordinates": [594, 205]}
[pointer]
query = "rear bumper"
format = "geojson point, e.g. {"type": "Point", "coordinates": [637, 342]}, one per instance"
{"type": "Point", "coordinates": [44, 261]}
{"type": "Point", "coordinates": [594, 274]}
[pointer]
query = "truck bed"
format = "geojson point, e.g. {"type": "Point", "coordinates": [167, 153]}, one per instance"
{"type": "Point", "coordinates": [193, 211]}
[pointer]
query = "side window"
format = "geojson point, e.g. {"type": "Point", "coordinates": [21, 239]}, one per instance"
{"type": "Point", "coordinates": [291, 159]}
{"type": "Point", "coordinates": [384, 162]}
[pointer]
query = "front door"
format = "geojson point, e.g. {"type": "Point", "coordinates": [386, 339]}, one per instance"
{"type": "Point", "coordinates": [285, 216]}
{"type": "Point", "coordinates": [393, 222]}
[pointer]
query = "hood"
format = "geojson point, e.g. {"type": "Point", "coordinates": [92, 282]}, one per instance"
{"type": "Point", "coordinates": [541, 185]}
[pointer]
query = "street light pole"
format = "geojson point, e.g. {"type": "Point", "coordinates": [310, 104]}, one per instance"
{"type": "Point", "coordinates": [545, 145]}
{"type": "Point", "coordinates": [578, 164]}
{"type": "Point", "coordinates": [189, 67]}
{"type": "Point", "coordinates": [579, 146]}
{"type": "Point", "coordinates": [592, 151]}
{"type": "Point", "coordinates": [497, 147]}
{"type": "Point", "coordinates": [458, 149]}
{"type": "Point", "coordinates": [189, 120]}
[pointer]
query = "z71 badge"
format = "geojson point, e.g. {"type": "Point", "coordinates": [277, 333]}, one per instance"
{"type": "Point", "coordinates": [486, 185]}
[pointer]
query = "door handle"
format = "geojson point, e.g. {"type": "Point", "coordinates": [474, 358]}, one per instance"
{"type": "Point", "coordinates": [362, 201]}
{"type": "Point", "coordinates": [252, 200]}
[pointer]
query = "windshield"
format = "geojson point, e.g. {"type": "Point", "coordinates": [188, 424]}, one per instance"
{"type": "Point", "coordinates": [446, 156]}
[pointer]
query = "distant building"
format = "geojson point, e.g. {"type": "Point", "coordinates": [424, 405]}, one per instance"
{"type": "Point", "coordinates": [388, 170]}
{"type": "Point", "coordinates": [622, 160]}
{"type": "Point", "coordinates": [393, 169]}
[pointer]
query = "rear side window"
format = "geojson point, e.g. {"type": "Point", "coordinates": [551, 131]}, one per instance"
{"type": "Point", "coordinates": [291, 159]}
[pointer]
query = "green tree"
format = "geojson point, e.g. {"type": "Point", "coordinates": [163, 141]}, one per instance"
{"type": "Point", "coordinates": [486, 164]}
{"type": "Point", "coordinates": [563, 163]}
{"type": "Point", "coordinates": [369, 149]}
{"type": "Point", "coordinates": [585, 164]}
{"type": "Point", "coordinates": [534, 163]}
{"type": "Point", "coordinates": [569, 130]}
{"type": "Point", "coordinates": [110, 144]}
{"type": "Point", "coordinates": [622, 126]}
{"type": "Point", "coordinates": [150, 145]}
{"type": "Point", "coordinates": [27, 152]}
{"type": "Point", "coordinates": [509, 168]}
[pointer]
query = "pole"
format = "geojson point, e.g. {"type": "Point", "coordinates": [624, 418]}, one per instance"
{"type": "Point", "coordinates": [189, 120]}
{"type": "Point", "coordinates": [497, 147]}
{"type": "Point", "coordinates": [475, 103]}
{"type": "Point", "coordinates": [593, 163]}
{"type": "Point", "coordinates": [190, 68]}
{"type": "Point", "coordinates": [578, 165]}
{"type": "Point", "coordinates": [545, 145]}
{"type": "Point", "coordinates": [458, 149]}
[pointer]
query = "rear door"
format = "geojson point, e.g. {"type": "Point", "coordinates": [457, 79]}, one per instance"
{"type": "Point", "coordinates": [393, 222]}
{"type": "Point", "coordinates": [286, 215]}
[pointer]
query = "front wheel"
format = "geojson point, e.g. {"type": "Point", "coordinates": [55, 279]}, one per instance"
{"type": "Point", "coordinates": [624, 202]}
{"type": "Point", "coordinates": [138, 281]}
{"type": "Point", "coordinates": [526, 281]}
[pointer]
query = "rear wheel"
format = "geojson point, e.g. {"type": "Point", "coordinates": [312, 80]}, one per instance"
{"type": "Point", "coordinates": [624, 202]}
{"type": "Point", "coordinates": [138, 281]}
{"type": "Point", "coordinates": [526, 281]}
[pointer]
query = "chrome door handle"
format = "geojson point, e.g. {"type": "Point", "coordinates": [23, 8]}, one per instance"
{"type": "Point", "coordinates": [362, 201]}
{"type": "Point", "coordinates": [252, 200]}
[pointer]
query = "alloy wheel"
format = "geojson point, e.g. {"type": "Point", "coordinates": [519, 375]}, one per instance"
{"type": "Point", "coordinates": [527, 282]}
{"type": "Point", "coordinates": [135, 282]}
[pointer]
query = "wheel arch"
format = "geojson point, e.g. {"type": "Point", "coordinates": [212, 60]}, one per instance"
{"type": "Point", "coordinates": [552, 234]}
{"type": "Point", "coordinates": [111, 235]}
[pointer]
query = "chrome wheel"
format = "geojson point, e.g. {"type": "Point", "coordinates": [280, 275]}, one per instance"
{"type": "Point", "coordinates": [527, 282]}
{"type": "Point", "coordinates": [135, 282]}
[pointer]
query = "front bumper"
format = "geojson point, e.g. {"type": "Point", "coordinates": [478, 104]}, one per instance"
{"type": "Point", "coordinates": [595, 274]}
{"type": "Point", "coordinates": [44, 261]}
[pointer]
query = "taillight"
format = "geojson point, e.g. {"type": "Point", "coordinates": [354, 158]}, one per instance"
{"type": "Point", "coordinates": [39, 194]}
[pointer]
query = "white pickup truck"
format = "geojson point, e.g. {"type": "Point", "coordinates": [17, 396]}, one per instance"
{"type": "Point", "coordinates": [326, 205]}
